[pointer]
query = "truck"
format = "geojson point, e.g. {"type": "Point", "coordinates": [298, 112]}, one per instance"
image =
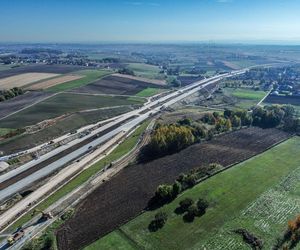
{"type": "Point", "coordinates": [15, 237]}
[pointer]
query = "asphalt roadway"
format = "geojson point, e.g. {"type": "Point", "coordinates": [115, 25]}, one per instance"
{"type": "Point", "coordinates": [137, 118]}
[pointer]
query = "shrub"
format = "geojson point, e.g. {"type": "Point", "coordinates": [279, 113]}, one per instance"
{"type": "Point", "coordinates": [202, 205]}
{"type": "Point", "coordinates": [185, 204]}
{"type": "Point", "coordinates": [158, 222]}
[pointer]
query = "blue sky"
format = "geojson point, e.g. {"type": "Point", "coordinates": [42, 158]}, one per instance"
{"type": "Point", "coordinates": [152, 20]}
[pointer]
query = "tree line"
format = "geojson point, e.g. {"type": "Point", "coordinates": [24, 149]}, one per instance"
{"type": "Point", "coordinates": [10, 93]}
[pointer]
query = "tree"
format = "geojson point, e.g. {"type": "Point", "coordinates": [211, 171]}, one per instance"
{"type": "Point", "coordinates": [228, 125]}
{"type": "Point", "coordinates": [177, 188]}
{"type": "Point", "coordinates": [164, 193]}
{"type": "Point", "coordinates": [185, 204]}
{"type": "Point", "coordinates": [236, 121]}
{"type": "Point", "coordinates": [192, 210]}
{"type": "Point", "coordinates": [202, 205]}
{"type": "Point", "coordinates": [158, 222]}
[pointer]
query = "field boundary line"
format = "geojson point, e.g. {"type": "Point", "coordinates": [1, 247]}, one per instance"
{"type": "Point", "coordinates": [247, 159]}
{"type": "Point", "coordinates": [126, 237]}
{"type": "Point", "coordinates": [30, 105]}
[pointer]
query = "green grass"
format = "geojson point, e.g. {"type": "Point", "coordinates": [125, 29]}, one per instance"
{"type": "Point", "coordinates": [112, 241]}
{"type": "Point", "coordinates": [229, 193]}
{"type": "Point", "coordinates": [89, 76]}
{"type": "Point", "coordinates": [149, 92]}
{"type": "Point", "coordinates": [248, 94]}
{"type": "Point", "coordinates": [63, 103]}
{"type": "Point", "coordinates": [4, 131]}
{"type": "Point", "coordinates": [146, 70]}
{"type": "Point", "coordinates": [121, 150]}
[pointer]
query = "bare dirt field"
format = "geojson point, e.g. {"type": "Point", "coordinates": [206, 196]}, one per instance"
{"type": "Point", "coordinates": [115, 85]}
{"type": "Point", "coordinates": [127, 194]}
{"type": "Point", "coordinates": [41, 68]}
{"type": "Point", "coordinates": [55, 81]}
{"type": "Point", "coordinates": [21, 102]}
{"type": "Point", "coordinates": [23, 79]}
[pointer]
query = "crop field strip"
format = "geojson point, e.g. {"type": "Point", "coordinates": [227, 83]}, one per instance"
{"type": "Point", "coordinates": [24, 79]}
{"type": "Point", "coordinates": [21, 102]}
{"type": "Point", "coordinates": [258, 195]}
{"type": "Point", "coordinates": [55, 69]}
{"type": "Point", "coordinates": [60, 104]}
{"type": "Point", "coordinates": [116, 85]}
{"type": "Point", "coordinates": [293, 100]}
{"type": "Point", "coordinates": [53, 82]}
{"type": "Point", "coordinates": [134, 186]}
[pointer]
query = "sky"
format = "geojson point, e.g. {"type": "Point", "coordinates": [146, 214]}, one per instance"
{"type": "Point", "coordinates": [150, 21]}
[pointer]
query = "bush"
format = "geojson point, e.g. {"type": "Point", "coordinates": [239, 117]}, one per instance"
{"type": "Point", "coordinates": [202, 205]}
{"type": "Point", "coordinates": [164, 194]}
{"type": "Point", "coordinates": [185, 204]}
{"type": "Point", "coordinates": [158, 222]}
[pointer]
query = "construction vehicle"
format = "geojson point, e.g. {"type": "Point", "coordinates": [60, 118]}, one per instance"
{"type": "Point", "coordinates": [15, 237]}
{"type": "Point", "coordinates": [45, 216]}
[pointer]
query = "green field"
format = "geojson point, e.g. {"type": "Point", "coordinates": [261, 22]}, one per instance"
{"type": "Point", "coordinates": [4, 131]}
{"type": "Point", "coordinates": [260, 195]}
{"type": "Point", "coordinates": [146, 70]}
{"type": "Point", "coordinates": [245, 97]}
{"type": "Point", "coordinates": [248, 94]}
{"type": "Point", "coordinates": [89, 76]}
{"type": "Point", "coordinates": [63, 103]}
{"type": "Point", "coordinates": [118, 152]}
{"type": "Point", "coordinates": [149, 92]}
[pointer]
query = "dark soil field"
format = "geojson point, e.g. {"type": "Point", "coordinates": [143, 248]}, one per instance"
{"type": "Point", "coordinates": [40, 68]}
{"type": "Point", "coordinates": [293, 100]}
{"type": "Point", "coordinates": [186, 80]}
{"type": "Point", "coordinates": [115, 85]}
{"type": "Point", "coordinates": [21, 101]}
{"type": "Point", "coordinates": [126, 195]}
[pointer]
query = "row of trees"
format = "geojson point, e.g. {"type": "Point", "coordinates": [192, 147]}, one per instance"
{"type": "Point", "coordinates": [126, 71]}
{"type": "Point", "coordinates": [167, 192]}
{"type": "Point", "coordinates": [10, 93]}
{"type": "Point", "coordinates": [167, 139]}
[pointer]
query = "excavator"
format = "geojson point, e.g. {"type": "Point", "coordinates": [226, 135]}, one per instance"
{"type": "Point", "coordinates": [20, 231]}
{"type": "Point", "coordinates": [44, 217]}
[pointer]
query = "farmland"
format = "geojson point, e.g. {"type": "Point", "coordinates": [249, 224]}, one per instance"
{"type": "Point", "coordinates": [88, 77]}
{"type": "Point", "coordinates": [60, 104]}
{"type": "Point", "coordinates": [115, 85]}
{"type": "Point", "coordinates": [141, 181]}
{"type": "Point", "coordinates": [40, 68]}
{"type": "Point", "coordinates": [245, 196]}
{"type": "Point", "coordinates": [293, 100]}
{"type": "Point", "coordinates": [62, 126]}
{"type": "Point", "coordinates": [149, 92]}
{"type": "Point", "coordinates": [145, 70]}
{"type": "Point", "coordinates": [54, 82]}
{"type": "Point", "coordinates": [21, 102]}
{"type": "Point", "coordinates": [23, 79]}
